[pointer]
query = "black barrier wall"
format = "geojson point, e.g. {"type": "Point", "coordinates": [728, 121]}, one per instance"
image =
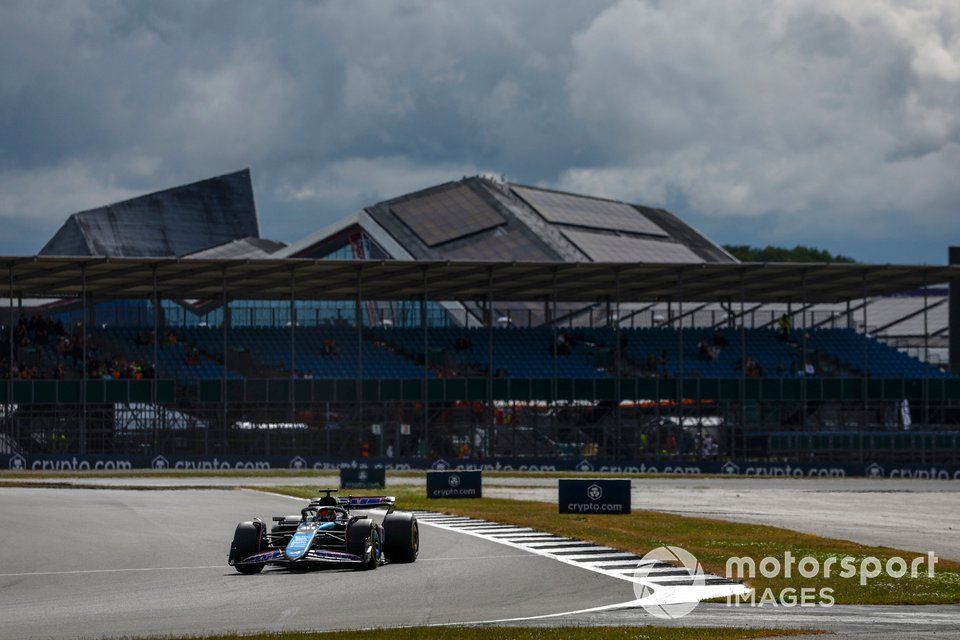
{"type": "Point", "coordinates": [594, 496]}
{"type": "Point", "coordinates": [363, 478]}
{"type": "Point", "coordinates": [454, 484]}
{"type": "Point", "coordinates": [105, 462]}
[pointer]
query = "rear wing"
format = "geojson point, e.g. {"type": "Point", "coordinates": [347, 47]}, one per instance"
{"type": "Point", "coordinates": [367, 502]}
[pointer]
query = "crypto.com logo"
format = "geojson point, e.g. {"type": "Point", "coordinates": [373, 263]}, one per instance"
{"type": "Point", "coordinates": [663, 600]}
{"type": "Point", "coordinates": [454, 480]}
{"type": "Point", "coordinates": [594, 492]}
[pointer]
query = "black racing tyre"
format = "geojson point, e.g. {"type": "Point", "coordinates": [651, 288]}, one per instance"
{"type": "Point", "coordinates": [247, 541]}
{"type": "Point", "coordinates": [401, 537]}
{"type": "Point", "coordinates": [363, 535]}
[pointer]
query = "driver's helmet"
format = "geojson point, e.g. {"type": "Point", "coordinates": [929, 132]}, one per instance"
{"type": "Point", "coordinates": [326, 514]}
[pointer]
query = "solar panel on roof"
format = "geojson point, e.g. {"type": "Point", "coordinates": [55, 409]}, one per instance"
{"type": "Point", "coordinates": [511, 245]}
{"type": "Point", "coordinates": [446, 215]}
{"type": "Point", "coordinates": [602, 247]}
{"type": "Point", "coordinates": [562, 208]}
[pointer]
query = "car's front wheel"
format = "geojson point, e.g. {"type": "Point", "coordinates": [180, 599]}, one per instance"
{"type": "Point", "coordinates": [364, 541]}
{"type": "Point", "coordinates": [247, 541]}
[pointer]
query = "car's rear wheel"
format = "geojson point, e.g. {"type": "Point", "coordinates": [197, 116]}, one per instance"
{"type": "Point", "coordinates": [401, 537]}
{"type": "Point", "coordinates": [247, 541]}
{"type": "Point", "coordinates": [281, 533]}
{"type": "Point", "coordinates": [364, 541]}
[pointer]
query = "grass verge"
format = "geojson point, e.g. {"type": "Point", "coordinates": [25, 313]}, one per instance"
{"type": "Point", "coordinates": [711, 541]}
{"type": "Point", "coordinates": [528, 633]}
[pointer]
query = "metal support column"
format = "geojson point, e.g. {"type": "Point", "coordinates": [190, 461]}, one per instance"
{"type": "Point", "coordinates": [803, 353]}
{"type": "Point", "coordinates": [617, 383]}
{"type": "Point", "coordinates": [743, 366]}
{"type": "Point", "coordinates": [83, 343]}
{"type": "Point", "coordinates": [156, 361]}
{"type": "Point", "coordinates": [224, 324]}
{"type": "Point", "coordinates": [926, 356]}
{"type": "Point", "coordinates": [358, 311]}
{"type": "Point", "coordinates": [293, 348]}
{"type": "Point", "coordinates": [491, 414]}
{"type": "Point", "coordinates": [866, 352]}
{"type": "Point", "coordinates": [425, 394]}
{"type": "Point", "coordinates": [10, 365]}
{"type": "Point", "coordinates": [680, 355]}
{"type": "Point", "coordinates": [553, 386]}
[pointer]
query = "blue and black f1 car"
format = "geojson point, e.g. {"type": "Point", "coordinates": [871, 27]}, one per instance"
{"type": "Point", "coordinates": [327, 531]}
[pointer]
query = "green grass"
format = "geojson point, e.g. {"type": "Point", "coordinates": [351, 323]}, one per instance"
{"type": "Point", "coordinates": [711, 541]}
{"type": "Point", "coordinates": [528, 633]}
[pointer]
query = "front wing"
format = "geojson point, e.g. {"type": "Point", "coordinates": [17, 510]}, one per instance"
{"type": "Point", "coordinates": [277, 556]}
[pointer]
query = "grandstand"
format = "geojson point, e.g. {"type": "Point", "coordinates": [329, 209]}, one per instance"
{"type": "Point", "coordinates": [476, 318]}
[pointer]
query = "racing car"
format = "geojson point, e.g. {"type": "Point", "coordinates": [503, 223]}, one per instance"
{"type": "Point", "coordinates": [328, 531]}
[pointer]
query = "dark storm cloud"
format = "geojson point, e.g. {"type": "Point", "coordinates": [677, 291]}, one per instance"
{"type": "Point", "coordinates": [771, 122]}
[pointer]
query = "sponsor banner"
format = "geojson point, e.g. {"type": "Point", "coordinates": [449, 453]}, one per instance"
{"type": "Point", "coordinates": [363, 478]}
{"type": "Point", "coordinates": [594, 495]}
{"type": "Point", "coordinates": [174, 462]}
{"type": "Point", "coordinates": [454, 484]}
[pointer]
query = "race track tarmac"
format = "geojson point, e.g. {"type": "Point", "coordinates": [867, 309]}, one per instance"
{"type": "Point", "coordinates": [80, 563]}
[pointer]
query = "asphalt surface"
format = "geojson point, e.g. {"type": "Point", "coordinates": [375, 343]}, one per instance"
{"type": "Point", "coordinates": [80, 563]}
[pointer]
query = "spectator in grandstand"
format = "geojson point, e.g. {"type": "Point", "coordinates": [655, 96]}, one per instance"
{"type": "Point", "coordinates": [561, 346]}
{"type": "Point", "coordinates": [651, 366]}
{"type": "Point", "coordinates": [703, 350]}
{"type": "Point", "coordinates": [707, 350]}
{"type": "Point", "coordinates": [329, 347]}
{"type": "Point", "coordinates": [719, 340]}
{"type": "Point", "coordinates": [705, 445]}
{"type": "Point", "coordinates": [751, 368]}
{"type": "Point", "coordinates": [809, 370]}
{"type": "Point", "coordinates": [463, 343]}
{"type": "Point", "coordinates": [798, 369]}
{"type": "Point", "coordinates": [783, 328]}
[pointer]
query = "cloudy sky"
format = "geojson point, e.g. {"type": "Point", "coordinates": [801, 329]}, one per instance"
{"type": "Point", "coordinates": [835, 124]}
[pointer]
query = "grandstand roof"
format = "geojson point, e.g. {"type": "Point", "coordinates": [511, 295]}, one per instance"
{"type": "Point", "coordinates": [47, 277]}
{"type": "Point", "coordinates": [480, 218]}
{"type": "Point", "coordinates": [172, 222]}
{"type": "Point", "coordinates": [242, 248]}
